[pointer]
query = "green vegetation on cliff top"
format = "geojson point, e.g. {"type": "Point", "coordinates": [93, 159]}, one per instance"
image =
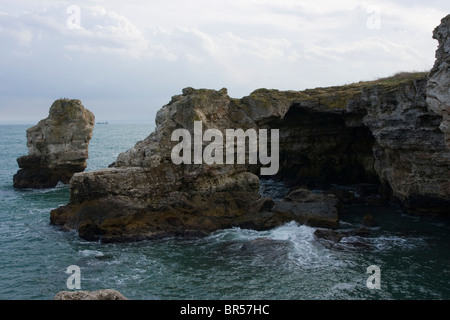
{"type": "Point", "coordinates": [336, 97]}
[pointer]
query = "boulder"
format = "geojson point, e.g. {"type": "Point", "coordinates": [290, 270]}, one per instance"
{"type": "Point", "coordinates": [104, 294]}
{"type": "Point", "coordinates": [57, 146]}
{"type": "Point", "coordinates": [306, 207]}
{"type": "Point", "coordinates": [369, 221]}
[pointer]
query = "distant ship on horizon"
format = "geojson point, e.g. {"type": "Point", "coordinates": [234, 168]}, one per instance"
{"type": "Point", "coordinates": [104, 122]}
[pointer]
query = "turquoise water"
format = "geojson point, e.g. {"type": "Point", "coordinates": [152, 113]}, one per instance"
{"type": "Point", "coordinates": [412, 252]}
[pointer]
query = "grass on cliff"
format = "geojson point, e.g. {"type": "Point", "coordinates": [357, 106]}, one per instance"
{"type": "Point", "coordinates": [398, 78]}
{"type": "Point", "coordinates": [335, 97]}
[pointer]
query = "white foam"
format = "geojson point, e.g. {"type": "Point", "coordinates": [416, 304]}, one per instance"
{"type": "Point", "coordinates": [292, 231]}
{"type": "Point", "coordinates": [302, 249]}
{"type": "Point", "coordinates": [91, 253]}
{"type": "Point", "coordinates": [390, 242]}
{"type": "Point", "coordinates": [60, 184]}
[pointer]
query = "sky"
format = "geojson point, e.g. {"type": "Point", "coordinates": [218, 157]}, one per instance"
{"type": "Point", "coordinates": [125, 59]}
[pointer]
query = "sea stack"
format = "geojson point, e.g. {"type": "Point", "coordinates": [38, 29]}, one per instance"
{"type": "Point", "coordinates": [57, 146]}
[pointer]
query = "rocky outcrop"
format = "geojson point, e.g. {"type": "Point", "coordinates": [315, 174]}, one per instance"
{"type": "Point", "coordinates": [104, 294]}
{"type": "Point", "coordinates": [144, 195]}
{"type": "Point", "coordinates": [381, 133]}
{"type": "Point", "coordinates": [57, 146]}
{"type": "Point", "coordinates": [410, 155]}
{"type": "Point", "coordinates": [439, 83]}
{"type": "Point", "coordinates": [306, 207]}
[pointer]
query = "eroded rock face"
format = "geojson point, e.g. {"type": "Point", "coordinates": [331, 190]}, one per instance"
{"type": "Point", "coordinates": [57, 146]}
{"type": "Point", "coordinates": [380, 132]}
{"type": "Point", "coordinates": [411, 157]}
{"type": "Point", "coordinates": [439, 83]}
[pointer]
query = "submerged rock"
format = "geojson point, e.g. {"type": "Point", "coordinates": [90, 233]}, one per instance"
{"type": "Point", "coordinates": [306, 207]}
{"type": "Point", "coordinates": [328, 234]}
{"type": "Point", "coordinates": [104, 294]}
{"type": "Point", "coordinates": [57, 146]}
{"type": "Point", "coordinates": [369, 221]}
{"type": "Point", "coordinates": [263, 244]}
{"type": "Point", "coordinates": [266, 248]}
{"type": "Point", "coordinates": [354, 239]}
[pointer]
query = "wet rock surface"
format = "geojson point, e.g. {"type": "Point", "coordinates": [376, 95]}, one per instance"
{"type": "Point", "coordinates": [103, 294]}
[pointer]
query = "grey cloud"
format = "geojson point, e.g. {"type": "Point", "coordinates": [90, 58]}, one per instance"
{"type": "Point", "coordinates": [135, 50]}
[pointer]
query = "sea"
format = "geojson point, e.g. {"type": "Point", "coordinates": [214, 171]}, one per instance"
{"type": "Point", "coordinates": [405, 257]}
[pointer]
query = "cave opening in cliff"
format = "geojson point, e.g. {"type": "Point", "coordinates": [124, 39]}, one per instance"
{"type": "Point", "coordinates": [318, 149]}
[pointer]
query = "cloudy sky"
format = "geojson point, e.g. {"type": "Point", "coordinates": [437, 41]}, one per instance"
{"type": "Point", "coordinates": [126, 59]}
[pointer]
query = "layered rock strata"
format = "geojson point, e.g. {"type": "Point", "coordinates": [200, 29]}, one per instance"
{"type": "Point", "coordinates": [374, 132]}
{"type": "Point", "coordinates": [439, 83]}
{"type": "Point", "coordinates": [57, 146]}
{"type": "Point", "coordinates": [381, 133]}
{"type": "Point", "coordinates": [144, 195]}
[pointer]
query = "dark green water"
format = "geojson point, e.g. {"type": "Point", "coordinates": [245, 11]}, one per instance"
{"type": "Point", "coordinates": [412, 252]}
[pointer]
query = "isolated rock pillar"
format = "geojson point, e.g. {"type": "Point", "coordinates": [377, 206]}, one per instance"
{"type": "Point", "coordinates": [57, 146]}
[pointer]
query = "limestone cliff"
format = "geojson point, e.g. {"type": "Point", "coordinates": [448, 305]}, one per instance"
{"type": "Point", "coordinates": [438, 86]}
{"type": "Point", "coordinates": [380, 132]}
{"type": "Point", "coordinates": [375, 132]}
{"type": "Point", "coordinates": [57, 146]}
{"type": "Point", "coordinates": [146, 196]}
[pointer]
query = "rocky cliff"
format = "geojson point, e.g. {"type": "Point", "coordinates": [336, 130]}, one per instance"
{"type": "Point", "coordinates": [146, 196]}
{"type": "Point", "coordinates": [382, 133]}
{"type": "Point", "coordinates": [379, 132]}
{"type": "Point", "coordinates": [439, 83]}
{"type": "Point", "coordinates": [57, 146]}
